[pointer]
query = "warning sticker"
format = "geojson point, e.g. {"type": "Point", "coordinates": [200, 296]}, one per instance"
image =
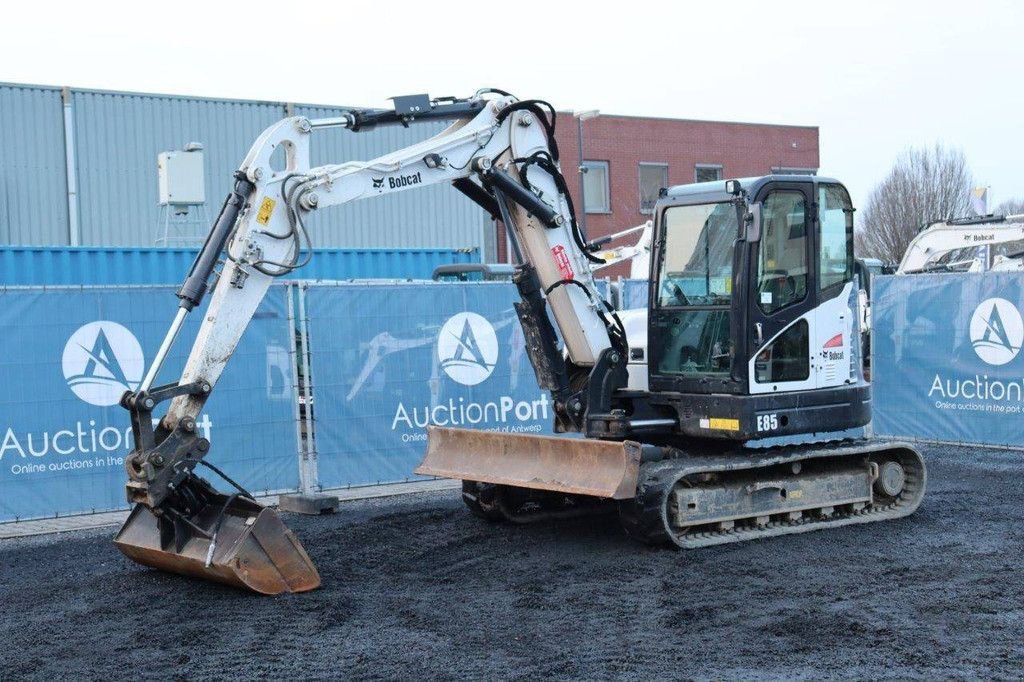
{"type": "Point", "coordinates": [562, 261]}
{"type": "Point", "coordinates": [266, 208]}
{"type": "Point", "coordinates": [720, 424]}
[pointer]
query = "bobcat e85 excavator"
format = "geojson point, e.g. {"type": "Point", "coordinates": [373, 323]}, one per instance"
{"type": "Point", "coordinates": [751, 333]}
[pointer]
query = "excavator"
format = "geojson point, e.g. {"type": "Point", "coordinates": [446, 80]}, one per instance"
{"type": "Point", "coordinates": [965, 237]}
{"type": "Point", "coordinates": [721, 413]}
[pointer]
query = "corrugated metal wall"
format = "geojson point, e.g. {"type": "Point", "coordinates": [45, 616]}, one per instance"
{"type": "Point", "coordinates": [33, 176]}
{"type": "Point", "coordinates": [117, 137]}
{"type": "Point", "coordinates": [52, 266]}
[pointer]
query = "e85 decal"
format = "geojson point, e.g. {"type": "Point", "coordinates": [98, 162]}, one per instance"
{"type": "Point", "coordinates": [767, 422]}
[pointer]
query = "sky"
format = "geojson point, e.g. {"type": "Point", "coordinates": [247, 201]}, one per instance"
{"type": "Point", "coordinates": [876, 77]}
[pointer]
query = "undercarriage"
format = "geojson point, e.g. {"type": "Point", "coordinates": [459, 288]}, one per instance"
{"type": "Point", "coordinates": [691, 499]}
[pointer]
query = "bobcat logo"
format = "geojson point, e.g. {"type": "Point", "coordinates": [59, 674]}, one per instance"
{"type": "Point", "coordinates": [378, 183]}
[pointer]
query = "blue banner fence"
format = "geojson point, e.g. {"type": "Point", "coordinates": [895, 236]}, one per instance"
{"type": "Point", "coordinates": [333, 384]}
{"type": "Point", "coordinates": [68, 354]}
{"type": "Point", "coordinates": [387, 361]}
{"type": "Point", "coordinates": [946, 362]}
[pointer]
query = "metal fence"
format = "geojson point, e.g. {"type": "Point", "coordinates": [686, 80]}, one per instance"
{"type": "Point", "coordinates": [946, 361]}
{"type": "Point", "coordinates": [66, 357]}
{"type": "Point", "coordinates": [330, 387]}
{"type": "Point", "coordinates": [333, 383]}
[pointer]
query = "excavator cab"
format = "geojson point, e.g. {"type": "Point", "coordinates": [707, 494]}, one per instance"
{"type": "Point", "coordinates": [738, 419]}
{"type": "Point", "coordinates": [751, 327]}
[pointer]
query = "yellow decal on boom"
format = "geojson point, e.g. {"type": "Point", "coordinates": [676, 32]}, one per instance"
{"type": "Point", "coordinates": [724, 424]}
{"type": "Point", "coordinates": [266, 208]}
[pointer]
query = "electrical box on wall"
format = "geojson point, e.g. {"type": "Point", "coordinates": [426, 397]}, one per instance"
{"type": "Point", "coordinates": [181, 176]}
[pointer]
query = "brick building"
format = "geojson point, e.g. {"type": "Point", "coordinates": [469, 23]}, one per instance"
{"type": "Point", "coordinates": [628, 158]}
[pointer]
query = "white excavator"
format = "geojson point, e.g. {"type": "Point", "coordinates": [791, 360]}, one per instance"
{"type": "Point", "coordinates": [957, 245]}
{"type": "Point", "coordinates": [750, 336]}
{"type": "Point", "coordinates": [970, 238]}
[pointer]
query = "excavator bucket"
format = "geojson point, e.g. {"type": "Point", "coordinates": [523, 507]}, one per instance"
{"type": "Point", "coordinates": [232, 540]}
{"type": "Point", "coordinates": [575, 466]}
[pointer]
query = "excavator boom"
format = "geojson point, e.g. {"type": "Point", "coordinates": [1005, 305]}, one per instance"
{"type": "Point", "coordinates": [501, 153]}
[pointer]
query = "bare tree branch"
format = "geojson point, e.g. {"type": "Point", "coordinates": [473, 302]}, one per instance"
{"type": "Point", "coordinates": [1010, 207]}
{"type": "Point", "coordinates": [923, 186]}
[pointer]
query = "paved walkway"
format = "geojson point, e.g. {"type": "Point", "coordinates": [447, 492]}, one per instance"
{"type": "Point", "coordinates": [63, 524]}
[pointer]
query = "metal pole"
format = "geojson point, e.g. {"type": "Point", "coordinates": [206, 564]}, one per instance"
{"type": "Point", "coordinates": [71, 168]}
{"type": "Point", "coordinates": [582, 217]}
{"type": "Point", "coordinates": [312, 456]}
{"type": "Point", "coordinates": [305, 485]}
{"type": "Point", "coordinates": [161, 354]}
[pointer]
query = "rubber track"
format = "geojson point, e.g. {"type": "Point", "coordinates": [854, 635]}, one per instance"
{"type": "Point", "coordinates": [645, 517]}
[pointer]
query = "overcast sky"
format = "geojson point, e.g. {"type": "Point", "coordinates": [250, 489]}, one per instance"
{"type": "Point", "coordinates": [875, 76]}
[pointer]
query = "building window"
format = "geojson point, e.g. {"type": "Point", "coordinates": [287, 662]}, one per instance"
{"type": "Point", "coordinates": [595, 187]}
{"type": "Point", "coordinates": [787, 170]}
{"type": "Point", "coordinates": [706, 172]}
{"type": "Point", "coordinates": [653, 176]}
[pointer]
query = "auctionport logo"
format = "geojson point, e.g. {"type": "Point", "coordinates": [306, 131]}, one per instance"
{"type": "Point", "coordinates": [101, 361]}
{"type": "Point", "coordinates": [467, 348]}
{"type": "Point", "coordinates": [997, 331]}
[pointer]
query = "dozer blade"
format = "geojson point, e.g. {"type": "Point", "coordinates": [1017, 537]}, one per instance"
{"type": "Point", "coordinates": [252, 548]}
{"type": "Point", "coordinates": [575, 466]}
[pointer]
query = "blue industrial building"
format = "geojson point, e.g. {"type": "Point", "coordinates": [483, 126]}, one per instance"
{"type": "Point", "coordinates": [79, 169]}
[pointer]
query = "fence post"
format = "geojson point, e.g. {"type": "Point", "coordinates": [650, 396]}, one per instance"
{"type": "Point", "coordinates": [308, 500]}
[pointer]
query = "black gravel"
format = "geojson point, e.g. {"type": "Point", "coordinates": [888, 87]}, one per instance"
{"type": "Point", "coordinates": [417, 588]}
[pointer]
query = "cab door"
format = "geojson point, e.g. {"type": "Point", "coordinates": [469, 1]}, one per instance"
{"type": "Point", "coordinates": [836, 340]}
{"type": "Point", "coordinates": [782, 292]}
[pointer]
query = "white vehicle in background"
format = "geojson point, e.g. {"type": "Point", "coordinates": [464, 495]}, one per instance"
{"type": "Point", "coordinates": [638, 254]}
{"type": "Point", "coordinates": [960, 245]}
{"type": "Point", "coordinates": [965, 245]}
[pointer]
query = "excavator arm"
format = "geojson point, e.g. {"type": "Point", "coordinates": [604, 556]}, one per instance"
{"type": "Point", "coordinates": [499, 151]}
{"type": "Point", "coordinates": [638, 254]}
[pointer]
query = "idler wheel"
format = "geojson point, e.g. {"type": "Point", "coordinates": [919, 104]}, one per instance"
{"type": "Point", "coordinates": [891, 479]}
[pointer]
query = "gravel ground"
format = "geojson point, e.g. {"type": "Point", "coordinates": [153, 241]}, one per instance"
{"type": "Point", "coordinates": [415, 587]}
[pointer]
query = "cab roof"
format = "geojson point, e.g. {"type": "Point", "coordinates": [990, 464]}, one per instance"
{"type": "Point", "coordinates": [714, 191]}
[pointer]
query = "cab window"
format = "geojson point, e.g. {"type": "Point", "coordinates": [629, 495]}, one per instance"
{"type": "Point", "coordinates": [782, 251]}
{"type": "Point", "coordinates": [835, 215]}
{"type": "Point", "coordinates": [787, 358]}
{"type": "Point", "coordinates": [695, 284]}
{"type": "Point", "coordinates": [696, 269]}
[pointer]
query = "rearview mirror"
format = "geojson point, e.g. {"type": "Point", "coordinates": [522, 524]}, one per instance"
{"type": "Point", "coordinates": [752, 223]}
